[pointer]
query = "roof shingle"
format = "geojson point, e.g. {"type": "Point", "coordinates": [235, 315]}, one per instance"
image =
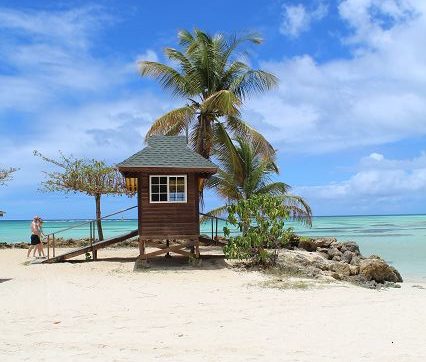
{"type": "Point", "coordinates": [167, 151]}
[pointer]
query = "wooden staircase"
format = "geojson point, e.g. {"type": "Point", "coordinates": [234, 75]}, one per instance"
{"type": "Point", "coordinates": [92, 248]}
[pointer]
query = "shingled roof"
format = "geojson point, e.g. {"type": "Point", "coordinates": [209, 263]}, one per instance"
{"type": "Point", "coordinates": [167, 152]}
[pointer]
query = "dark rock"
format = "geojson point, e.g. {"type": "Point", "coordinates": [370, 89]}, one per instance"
{"type": "Point", "coordinates": [352, 246]}
{"type": "Point", "coordinates": [347, 256]}
{"type": "Point", "coordinates": [377, 270]}
{"type": "Point", "coordinates": [307, 244]}
{"type": "Point", "coordinates": [341, 268]}
{"type": "Point", "coordinates": [398, 275]}
{"type": "Point", "coordinates": [324, 242]}
{"type": "Point", "coordinates": [336, 276]}
{"type": "Point", "coordinates": [334, 252]}
{"type": "Point", "coordinates": [356, 260]}
{"type": "Point", "coordinates": [322, 250]}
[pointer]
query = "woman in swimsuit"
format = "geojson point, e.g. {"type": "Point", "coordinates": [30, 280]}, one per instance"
{"type": "Point", "coordinates": [36, 233]}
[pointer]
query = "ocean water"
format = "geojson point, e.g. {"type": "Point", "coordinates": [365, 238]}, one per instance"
{"type": "Point", "coordinates": [399, 239]}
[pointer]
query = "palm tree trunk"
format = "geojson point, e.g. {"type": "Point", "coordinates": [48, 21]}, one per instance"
{"type": "Point", "coordinates": [98, 217]}
{"type": "Point", "coordinates": [204, 137]}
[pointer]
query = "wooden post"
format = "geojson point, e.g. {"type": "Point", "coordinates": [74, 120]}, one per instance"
{"type": "Point", "coordinates": [141, 241]}
{"type": "Point", "coordinates": [92, 233]}
{"type": "Point", "coordinates": [48, 246]}
{"type": "Point", "coordinates": [197, 248]}
{"type": "Point", "coordinates": [141, 246]}
{"type": "Point", "coordinates": [212, 229]}
{"type": "Point", "coordinates": [168, 246]}
{"type": "Point", "coordinates": [54, 245]}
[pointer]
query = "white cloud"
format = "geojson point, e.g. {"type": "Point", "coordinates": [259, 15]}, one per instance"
{"type": "Point", "coordinates": [376, 96]}
{"type": "Point", "coordinates": [376, 156]}
{"type": "Point", "coordinates": [71, 28]}
{"type": "Point", "coordinates": [49, 54]}
{"type": "Point", "coordinates": [378, 184]}
{"type": "Point", "coordinates": [298, 19]}
{"type": "Point", "coordinates": [372, 20]}
{"type": "Point", "coordinates": [66, 98]}
{"type": "Point", "coordinates": [149, 55]}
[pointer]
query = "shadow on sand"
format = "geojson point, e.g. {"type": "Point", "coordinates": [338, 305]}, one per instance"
{"type": "Point", "coordinates": [162, 263]}
{"type": "Point", "coordinates": [177, 262]}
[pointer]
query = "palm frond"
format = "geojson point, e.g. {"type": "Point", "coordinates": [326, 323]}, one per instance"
{"type": "Point", "coordinates": [173, 122]}
{"type": "Point", "coordinates": [176, 55]}
{"type": "Point", "coordinates": [221, 103]}
{"type": "Point", "coordinates": [225, 149]}
{"type": "Point", "coordinates": [275, 188]}
{"type": "Point", "coordinates": [168, 77]}
{"type": "Point", "coordinates": [217, 212]}
{"type": "Point", "coordinates": [241, 129]}
{"type": "Point", "coordinates": [185, 37]}
{"type": "Point", "coordinates": [253, 82]}
{"type": "Point", "coordinates": [298, 208]}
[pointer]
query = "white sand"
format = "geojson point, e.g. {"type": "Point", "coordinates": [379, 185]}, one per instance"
{"type": "Point", "coordinates": [104, 311]}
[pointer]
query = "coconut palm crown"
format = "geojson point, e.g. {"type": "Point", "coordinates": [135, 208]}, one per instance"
{"type": "Point", "coordinates": [209, 73]}
{"type": "Point", "coordinates": [244, 172]}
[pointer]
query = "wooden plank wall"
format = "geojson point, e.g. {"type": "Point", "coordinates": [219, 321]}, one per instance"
{"type": "Point", "coordinates": [169, 220]}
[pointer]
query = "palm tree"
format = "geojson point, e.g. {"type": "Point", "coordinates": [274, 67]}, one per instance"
{"type": "Point", "coordinates": [244, 172]}
{"type": "Point", "coordinates": [211, 76]}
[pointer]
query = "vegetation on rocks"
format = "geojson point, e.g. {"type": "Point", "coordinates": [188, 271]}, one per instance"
{"type": "Point", "coordinates": [261, 219]}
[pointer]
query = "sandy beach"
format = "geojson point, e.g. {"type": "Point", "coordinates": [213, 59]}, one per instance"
{"type": "Point", "coordinates": [104, 311]}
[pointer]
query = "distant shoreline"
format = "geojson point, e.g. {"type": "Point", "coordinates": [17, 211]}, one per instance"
{"type": "Point", "coordinates": [135, 219]}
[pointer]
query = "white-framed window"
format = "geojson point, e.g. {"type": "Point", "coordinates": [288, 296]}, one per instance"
{"type": "Point", "coordinates": [165, 188]}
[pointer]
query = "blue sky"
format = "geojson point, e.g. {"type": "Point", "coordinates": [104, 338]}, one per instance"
{"type": "Point", "coordinates": [348, 119]}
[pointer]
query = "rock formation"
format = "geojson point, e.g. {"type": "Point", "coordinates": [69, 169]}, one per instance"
{"type": "Point", "coordinates": [326, 257]}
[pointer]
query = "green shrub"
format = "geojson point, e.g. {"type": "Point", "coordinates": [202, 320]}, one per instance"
{"type": "Point", "coordinates": [261, 220]}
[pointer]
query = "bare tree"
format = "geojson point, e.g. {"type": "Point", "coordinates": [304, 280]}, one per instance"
{"type": "Point", "coordinates": [88, 176]}
{"type": "Point", "coordinates": [6, 175]}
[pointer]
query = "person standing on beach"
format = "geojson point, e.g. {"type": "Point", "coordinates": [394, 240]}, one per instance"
{"type": "Point", "coordinates": [36, 233]}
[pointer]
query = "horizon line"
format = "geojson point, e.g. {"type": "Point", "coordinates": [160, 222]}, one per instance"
{"type": "Point", "coordinates": [315, 216]}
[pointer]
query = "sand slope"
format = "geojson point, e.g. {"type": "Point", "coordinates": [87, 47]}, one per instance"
{"type": "Point", "coordinates": [104, 311]}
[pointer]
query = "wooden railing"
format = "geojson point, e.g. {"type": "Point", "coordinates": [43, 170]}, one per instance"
{"type": "Point", "coordinates": [52, 237]}
{"type": "Point", "coordinates": [214, 222]}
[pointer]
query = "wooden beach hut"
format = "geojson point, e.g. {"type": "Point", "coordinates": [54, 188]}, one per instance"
{"type": "Point", "coordinates": [167, 176]}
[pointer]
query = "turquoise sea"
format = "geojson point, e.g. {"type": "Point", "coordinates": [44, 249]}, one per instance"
{"type": "Point", "coordinates": [400, 239]}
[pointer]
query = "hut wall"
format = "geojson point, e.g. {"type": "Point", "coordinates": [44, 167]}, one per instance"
{"type": "Point", "coordinates": [169, 220]}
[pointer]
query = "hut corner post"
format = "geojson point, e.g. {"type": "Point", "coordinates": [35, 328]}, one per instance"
{"type": "Point", "coordinates": [140, 239]}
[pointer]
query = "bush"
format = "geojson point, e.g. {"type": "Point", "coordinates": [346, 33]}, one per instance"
{"type": "Point", "coordinates": [261, 221]}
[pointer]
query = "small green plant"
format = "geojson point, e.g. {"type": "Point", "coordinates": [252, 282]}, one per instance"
{"type": "Point", "coordinates": [88, 256]}
{"type": "Point", "coordinates": [261, 221]}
